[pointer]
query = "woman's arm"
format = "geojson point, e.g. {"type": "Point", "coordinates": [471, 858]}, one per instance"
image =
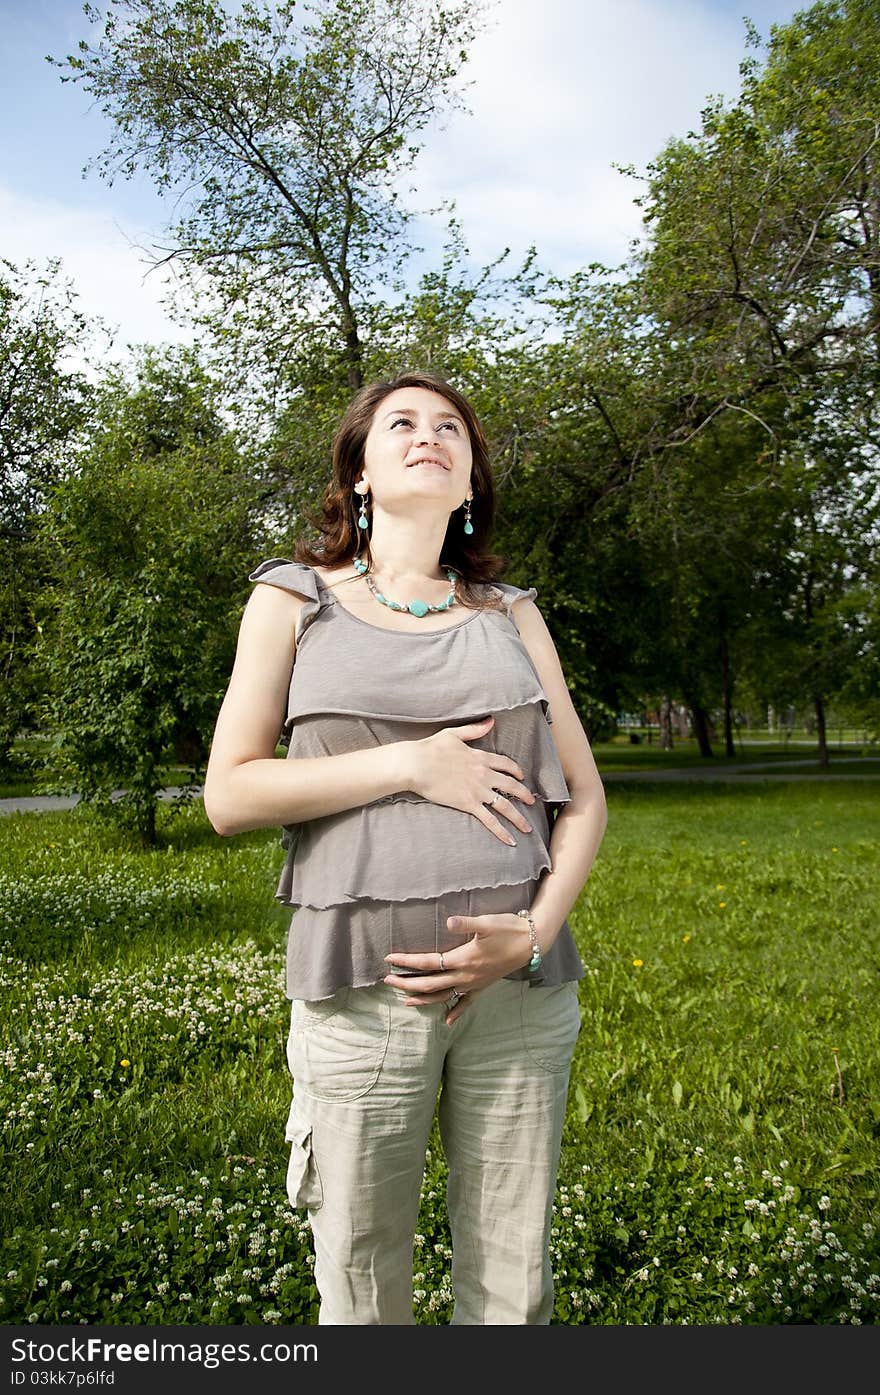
{"type": "Point", "coordinates": [580, 825]}
{"type": "Point", "coordinates": [246, 785]}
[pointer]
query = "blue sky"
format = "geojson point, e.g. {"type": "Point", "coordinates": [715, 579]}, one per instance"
{"type": "Point", "coordinates": [561, 91]}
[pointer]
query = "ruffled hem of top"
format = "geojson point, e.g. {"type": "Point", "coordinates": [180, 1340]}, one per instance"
{"type": "Point", "coordinates": [522, 733]}
{"type": "Point", "coordinates": [381, 851]}
{"type": "Point", "coordinates": [347, 945]}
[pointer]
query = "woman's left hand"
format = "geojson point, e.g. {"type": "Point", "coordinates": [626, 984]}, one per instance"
{"type": "Point", "coordinates": [499, 945]}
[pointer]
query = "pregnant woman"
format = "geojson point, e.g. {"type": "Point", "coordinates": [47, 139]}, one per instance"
{"type": "Point", "coordinates": [442, 811]}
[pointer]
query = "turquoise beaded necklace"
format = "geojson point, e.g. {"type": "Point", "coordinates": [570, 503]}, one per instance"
{"type": "Point", "coordinates": [418, 608]}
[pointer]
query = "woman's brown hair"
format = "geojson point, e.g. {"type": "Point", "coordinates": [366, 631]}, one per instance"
{"type": "Point", "coordinates": [340, 536]}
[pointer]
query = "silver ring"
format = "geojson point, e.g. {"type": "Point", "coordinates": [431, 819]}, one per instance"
{"type": "Point", "coordinates": [496, 796]}
{"type": "Point", "coordinates": [454, 998]}
{"type": "Point", "coordinates": [442, 963]}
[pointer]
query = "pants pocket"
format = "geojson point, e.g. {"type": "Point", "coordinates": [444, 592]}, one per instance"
{"type": "Point", "coordinates": [304, 1187]}
{"type": "Point", "coordinates": [551, 1021]}
{"type": "Point", "coordinates": [337, 1055]}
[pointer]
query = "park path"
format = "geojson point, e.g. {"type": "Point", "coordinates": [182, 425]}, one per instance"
{"type": "Point", "coordinates": [41, 803]}
{"type": "Point", "coordinates": [745, 773]}
{"type": "Point", "coordinates": [730, 774]}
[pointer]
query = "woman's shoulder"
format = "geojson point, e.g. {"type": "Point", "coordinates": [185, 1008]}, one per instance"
{"type": "Point", "coordinates": [507, 594]}
{"type": "Point", "coordinates": [288, 575]}
{"type": "Point", "coordinates": [299, 583]}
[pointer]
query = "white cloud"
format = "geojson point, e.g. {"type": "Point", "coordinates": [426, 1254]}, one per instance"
{"type": "Point", "coordinates": [107, 270]}
{"type": "Point", "coordinates": [561, 92]}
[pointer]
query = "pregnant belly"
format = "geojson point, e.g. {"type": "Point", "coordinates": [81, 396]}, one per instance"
{"type": "Point", "coordinates": [407, 849]}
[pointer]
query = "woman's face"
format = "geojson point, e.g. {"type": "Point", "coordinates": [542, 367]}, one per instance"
{"type": "Point", "coordinates": [417, 449]}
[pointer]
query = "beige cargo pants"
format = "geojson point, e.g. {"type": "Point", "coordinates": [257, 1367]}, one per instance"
{"type": "Point", "coordinates": [366, 1076]}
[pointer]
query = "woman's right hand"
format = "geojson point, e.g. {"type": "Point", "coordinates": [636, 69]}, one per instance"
{"type": "Point", "coordinates": [447, 771]}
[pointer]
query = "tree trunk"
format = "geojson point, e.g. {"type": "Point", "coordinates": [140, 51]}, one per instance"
{"type": "Point", "coordinates": [819, 703]}
{"type": "Point", "coordinates": [727, 686]}
{"type": "Point", "coordinates": [700, 719]}
{"type": "Point", "coordinates": [354, 357]}
{"type": "Point", "coordinates": [146, 821]}
{"type": "Point", "coordinates": [665, 724]}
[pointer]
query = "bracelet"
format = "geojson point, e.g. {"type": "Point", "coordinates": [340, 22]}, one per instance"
{"type": "Point", "coordinates": [535, 961]}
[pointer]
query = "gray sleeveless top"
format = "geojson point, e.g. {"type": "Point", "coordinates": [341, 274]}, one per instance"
{"type": "Point", "coordinates": [385, 875]}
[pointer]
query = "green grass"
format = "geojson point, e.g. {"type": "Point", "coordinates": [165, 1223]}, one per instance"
{"type": "Point", "coordinates": [720, 1159]}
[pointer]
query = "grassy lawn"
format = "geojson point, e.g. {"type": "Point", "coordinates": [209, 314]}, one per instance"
{"type": "Point", "coordinates": [720, 1160]}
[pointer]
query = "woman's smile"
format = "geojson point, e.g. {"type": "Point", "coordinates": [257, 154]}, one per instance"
{"type": "Point", "coordinates": [428, 462]}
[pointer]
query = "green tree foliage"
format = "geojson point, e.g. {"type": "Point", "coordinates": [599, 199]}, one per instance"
{"type": "Point", "coordinates": [685, 446]}
{"type": "Point", "coordinates": [44, 401]}
{"type": "Point", "coordinates": [291, 127]}
{"type": "Point", "coordinates": [757, 320]}
{"type": "Point", "coordinates": [150, 541]}
{"type": "Point", "coordinates": [764, 246]}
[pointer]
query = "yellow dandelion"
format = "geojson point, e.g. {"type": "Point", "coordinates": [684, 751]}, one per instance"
{"type": "Point", "coordinates": [721, 905]}
{"type": "Point", "coordinates": [125, 1062]}
{"type": "Point", "coordinates": [835, 849]}
{"type": "Point", "coordinates": [637, 963]}
{"type": "Point", "coordinates": [720, 886]}
{"type": "Point", "coordinates": [742, 842]}
{"type": "Point", "coordinates": [685, 939]}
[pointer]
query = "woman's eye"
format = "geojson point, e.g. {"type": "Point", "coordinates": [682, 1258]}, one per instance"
{"type": "Point", "coordinates": [401, 421]}
{"type": "Point", "coordinates": [452, 425]}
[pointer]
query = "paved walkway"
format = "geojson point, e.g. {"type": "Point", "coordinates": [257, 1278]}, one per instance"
{"type": "Point", "coordinates": [39, 803]}
{"type": "Point", "coordinates": [747, 772]}
{"type": "Point", "coordinates": [735, 774]}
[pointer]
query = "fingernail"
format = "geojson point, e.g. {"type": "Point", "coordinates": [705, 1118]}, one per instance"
{"type": "Point", "coordinates": [511, 842]}
{"type": "Point", "coordinates": [452, 923]}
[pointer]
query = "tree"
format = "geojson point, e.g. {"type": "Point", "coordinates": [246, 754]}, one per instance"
{"type": "Point", "coordinates": [292, 137]}
{"type": "Point", "coordinates": [761, 272]}
{"type": "Point", "coordinates": [151, 540]}
{"type": "Point", "coordinates": [43, 403]}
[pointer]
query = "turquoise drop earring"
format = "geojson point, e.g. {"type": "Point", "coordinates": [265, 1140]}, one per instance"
{"type": "Point", "coordinates": [362, 517]}
{"type": "Point", "coordinates": [468, 526]}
